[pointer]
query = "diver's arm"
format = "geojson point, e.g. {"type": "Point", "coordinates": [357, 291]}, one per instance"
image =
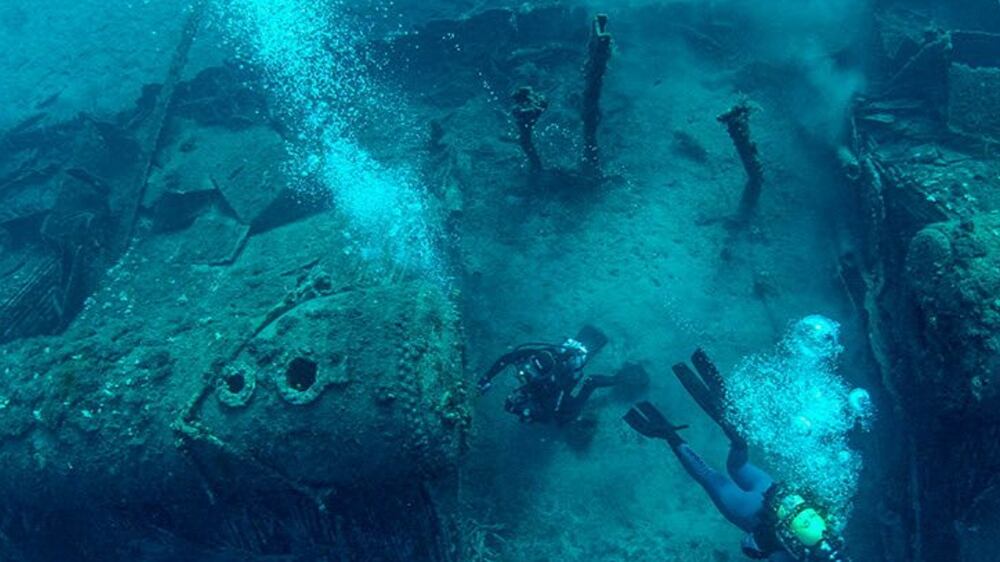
{"type": "Point", "coordinates": [516, 356]}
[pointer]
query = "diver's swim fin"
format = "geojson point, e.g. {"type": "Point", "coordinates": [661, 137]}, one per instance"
{"type": "Point", "coordinates": [648, 421]}
{"type": "Point", "coordinates": [708, 391]}
{"type": "Point", "coordinates": [592, 338]}
{"type": "Point", "coordinates": [697, 389]}
{"type": "Point", "coordinates": [709, 373]}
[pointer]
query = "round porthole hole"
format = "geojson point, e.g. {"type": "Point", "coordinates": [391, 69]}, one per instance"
{"type": "Point", "coordinates": [301, 374]}
{"type": "Point", "coordinates": [235, 383]}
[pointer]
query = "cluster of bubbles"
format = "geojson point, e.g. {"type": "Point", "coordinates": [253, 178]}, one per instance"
{"type": "Point", "coordinates": [319, 79]}
{"type": "Point", "coordinates": [792, 404]}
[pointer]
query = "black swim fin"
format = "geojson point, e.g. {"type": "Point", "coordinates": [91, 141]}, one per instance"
{"type": "Point", "coordinates": [697, 389]}
{"type": "Point", "coordinates": [709, 373]}
{"type": "Point", "coordinates": [647, 420]}
{"type": "Point", "coordinates": [592, 338]}
{"type": "Point", "coordinates": [708, 389]}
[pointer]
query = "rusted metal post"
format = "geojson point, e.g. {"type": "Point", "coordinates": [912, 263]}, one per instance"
{"type": "Point", "coordinates": [737, 122]}
{"type": "Point", "coordinates": [599, 53]}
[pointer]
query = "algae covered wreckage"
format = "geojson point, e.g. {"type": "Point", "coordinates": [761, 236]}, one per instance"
{"type": "Point", "coordinates": [204, 342]}
{"type": "Point", "coordinates": [211, 349]}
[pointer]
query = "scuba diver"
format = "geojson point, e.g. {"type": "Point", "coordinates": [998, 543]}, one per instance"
{"type": "Point", "coordinates": [782, 525]}
{"type": "Point", "coordinates": [549, 373]}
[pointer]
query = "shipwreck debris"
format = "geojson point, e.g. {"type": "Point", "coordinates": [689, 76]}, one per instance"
{"type": "Point", "coordinates": [529, 106]}
{"type": "Point", "coordinates": [305, 381]}
{"type": "Point", "coordinates": [737, 122]}
{"type": "Point", "coordinates": [926, 70]}
{"type": "Point", "coordinates": [974, 100]}
{"type": "Point", "coordinates": [74, 190]}
{"type": "Point", "coordinates": [37, 301]}
{"type": "Point", "coordinates": [227, 238]}
{"type": "Point", "coordinates": [127, 200]}
{"type": "Point", "coordinates": [598, 55]}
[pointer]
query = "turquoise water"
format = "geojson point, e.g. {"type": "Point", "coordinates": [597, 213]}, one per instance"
{"type": "Point", "coordinates": [258, 257]}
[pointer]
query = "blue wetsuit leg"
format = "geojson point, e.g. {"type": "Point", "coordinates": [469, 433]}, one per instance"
{"type": "Point", "coordinates": [738, 506]}
{"type": "Point", "coordinates": [747, 476]}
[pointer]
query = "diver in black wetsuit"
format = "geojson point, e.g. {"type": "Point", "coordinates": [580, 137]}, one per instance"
{"type": "Point", "coordinates": [549, 373]}
{"type": "Point", "coordinates": [781, 525]}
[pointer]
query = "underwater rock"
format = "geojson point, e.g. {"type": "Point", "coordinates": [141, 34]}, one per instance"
{"type": "Point", "coordinates": [181, 187]}
{"type": "Point", "coordinates": [954, 271]}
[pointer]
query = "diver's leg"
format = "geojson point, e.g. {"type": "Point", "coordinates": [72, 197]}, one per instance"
{"type": "Point", "coordinates": [739, 507]}
{"type": "Point", "coordinates": [571, 406]}
{"type": "Point", "coordinates": [747, 476]}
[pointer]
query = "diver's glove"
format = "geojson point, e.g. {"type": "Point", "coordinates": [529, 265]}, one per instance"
{"type": "Point", "coordinates": [483, 385]}
{"type": "Point", "coordinates": [647, 420]}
